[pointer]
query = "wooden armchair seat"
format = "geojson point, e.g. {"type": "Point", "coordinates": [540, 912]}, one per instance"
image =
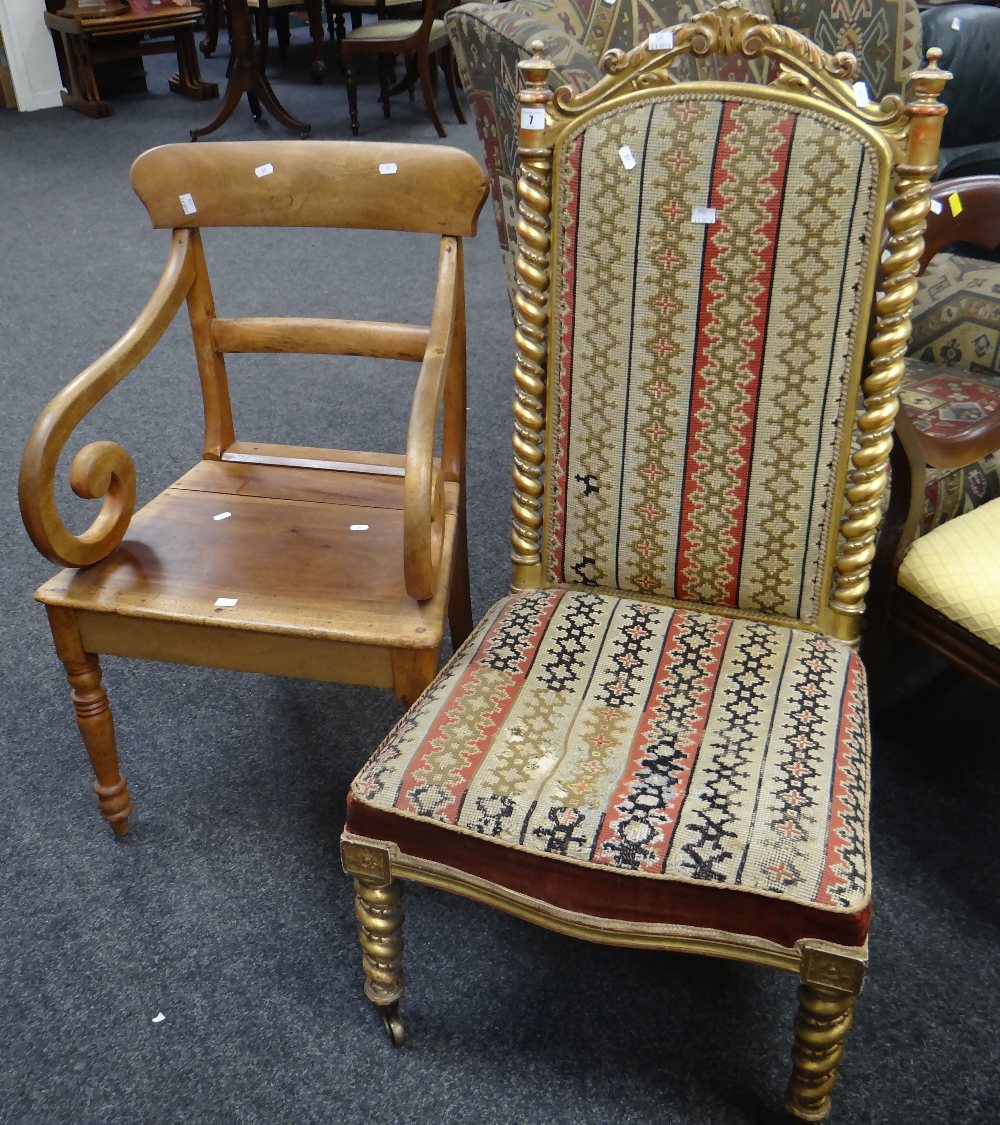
{"type": "Point", "coordinates": [322, 563]}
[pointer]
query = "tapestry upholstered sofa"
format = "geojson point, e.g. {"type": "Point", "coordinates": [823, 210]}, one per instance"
{"type": "Point", "coordinates": [489, 39]}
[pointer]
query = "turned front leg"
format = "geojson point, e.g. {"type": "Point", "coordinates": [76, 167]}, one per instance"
{"type": "Point", "coordinates": [94, 718]}
{"type": "Point", "coordinates": [829, 987]}
{"type": "Point", "coordinates": [379, 910]}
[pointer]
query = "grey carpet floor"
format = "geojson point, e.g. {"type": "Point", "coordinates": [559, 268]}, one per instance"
{"type": "Point", "coordinates": [226, 910]}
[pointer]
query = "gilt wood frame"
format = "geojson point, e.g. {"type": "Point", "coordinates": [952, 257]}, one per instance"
{"type": "Point", "coordinates": [907, 136]}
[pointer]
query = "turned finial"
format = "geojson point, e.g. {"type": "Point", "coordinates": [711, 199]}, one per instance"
{"type": "Point", "coordinates": [535, 71]}
{"type": "Point", "coordinates": [929, 81]}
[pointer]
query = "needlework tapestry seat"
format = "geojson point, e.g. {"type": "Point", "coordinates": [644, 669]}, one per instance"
{"type": "Point", "coordinates": [653, 758]}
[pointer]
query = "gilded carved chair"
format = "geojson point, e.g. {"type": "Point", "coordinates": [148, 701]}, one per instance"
{"type": "Point", "coordinates": [660, 738]}
{"type": "Point", "coordinates": [943, 588]}
{"type": "Point", "coordinates": [318, 563]}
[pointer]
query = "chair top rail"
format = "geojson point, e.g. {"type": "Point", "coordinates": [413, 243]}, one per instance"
{"type": "Point", "coordinates": [347, 184]}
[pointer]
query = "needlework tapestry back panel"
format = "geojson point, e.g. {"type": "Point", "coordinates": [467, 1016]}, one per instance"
{"type": "Point", "coordinates": [701, 371]}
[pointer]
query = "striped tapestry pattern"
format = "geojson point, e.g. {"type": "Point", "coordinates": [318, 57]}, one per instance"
{"type": "Point", "coordinates": [700, 373]}
{"type": "Point", "coordinates": [652, 741]}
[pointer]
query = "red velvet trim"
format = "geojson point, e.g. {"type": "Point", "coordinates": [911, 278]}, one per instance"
{"type": "Point", "coordinates": [609, 894]}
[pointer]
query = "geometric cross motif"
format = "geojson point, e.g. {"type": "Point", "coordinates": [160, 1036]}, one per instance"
{"type": "Point", "coordinates": [716, 431]}
{"type": "Point", "coordinates": [660, 743]}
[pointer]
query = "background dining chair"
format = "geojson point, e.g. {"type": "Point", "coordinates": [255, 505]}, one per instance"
{"type": "Point", "coordinates": [419, 41]}
{"type": "Point", "coordinates": [660, 738]}
{"type": "Point", "coordinates": [357, 10]}
{"type": "Point", "coordinates": [325, 564]}
{"type": "Point", "coordinates": [281, 11]}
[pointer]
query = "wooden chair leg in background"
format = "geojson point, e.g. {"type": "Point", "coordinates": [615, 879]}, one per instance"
{"type": "Point", "coordinates": [384, 82]}
{"type": "Point", "coordinates": [351, 81]}
{"type": "Point", "coordinates": [460, 597]}
{"type": "Point", "coordinates": [450, 73]}
{"type": "Point", "coordinates": [423, 68]}
{"type": "Point", "coordinates": [93, 717]}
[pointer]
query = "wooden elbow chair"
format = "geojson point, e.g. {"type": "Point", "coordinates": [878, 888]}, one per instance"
{"type": "Point", "coordinates": [660, 739]}
{"type": "Point", "coordinates": [317, 563]}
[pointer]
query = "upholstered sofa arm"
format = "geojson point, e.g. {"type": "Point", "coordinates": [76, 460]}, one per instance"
{"type": "Point", "coordinates": [969, 38]}
{"type": "Point", "coordinates": [489, 40]}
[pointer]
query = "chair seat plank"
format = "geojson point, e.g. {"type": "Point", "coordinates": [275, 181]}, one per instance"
{"type": "Point", "coordinates": [292, 562]}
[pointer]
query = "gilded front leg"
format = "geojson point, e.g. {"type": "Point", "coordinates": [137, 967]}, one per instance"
{"type": "Point", "coordinates": [829, 986]}
{"type": "Point", "coordinates": [379, 909]}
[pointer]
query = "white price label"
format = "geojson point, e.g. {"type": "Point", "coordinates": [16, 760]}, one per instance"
{"type": "Point", "coordinates": [702, 214]}
{"type": "Point", "coordinates": [956, 23]}
{"type": "Point", "coordinates": [661, 41]}
{"type": "Point", "coordinates": [937, 206]}
{"type": "Point", "coordinates": [627, 158]}
{"type": "Point", "coordinates": [263, 170]}
{"type": "Point", "coordinates": [532, 118]}
{"type": "Point", "coordinates": [359, 527]}
{"type": "Point", "coordinates": [389, 169]}
{"type": "Point", "coordinates": [187, 203]}
{"type": "Point", "coordinates": [861, 96]}
{"type": "Point", "coordinates": [222, 516]}
{"type": "Point", "coordinates": [225, 603]}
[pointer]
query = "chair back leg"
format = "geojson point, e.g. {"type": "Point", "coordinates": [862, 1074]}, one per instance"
{"type": "Point", "coordinates": [423, 69]}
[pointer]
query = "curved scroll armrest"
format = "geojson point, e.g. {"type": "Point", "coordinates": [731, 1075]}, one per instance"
{"type": "Point", "coordinates": [423, 514]}
{"type": "Point", "coordinates": [101, 468]}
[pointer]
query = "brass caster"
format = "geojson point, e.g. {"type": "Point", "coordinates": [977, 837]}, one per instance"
{"type": "Point", "coordinates": [394, 1025]}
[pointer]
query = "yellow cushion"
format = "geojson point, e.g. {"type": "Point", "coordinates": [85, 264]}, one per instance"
{"type": "Point", "coordinates": [955, 569]}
